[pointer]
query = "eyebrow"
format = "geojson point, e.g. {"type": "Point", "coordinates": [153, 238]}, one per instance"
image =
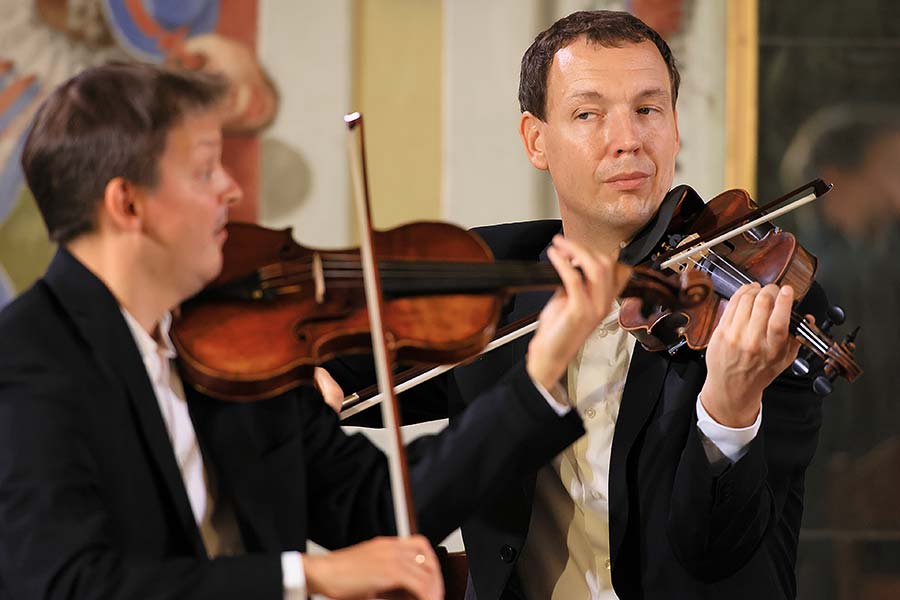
{"type": "Point", "coordinates": [654, 93]}
{"type": "Point", "coordinates": [586, 95]}
{"type": "Point", "coordinates": [649, 93]}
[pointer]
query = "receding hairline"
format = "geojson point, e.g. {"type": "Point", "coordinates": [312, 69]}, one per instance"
{"type": "Point", "coordinates": [652, 91]}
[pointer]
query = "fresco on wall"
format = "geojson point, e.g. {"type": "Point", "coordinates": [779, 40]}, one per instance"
{"type": "Point", "coordinates": [44, 42]}
{"type": "Point", "coordinates": [830, 108]}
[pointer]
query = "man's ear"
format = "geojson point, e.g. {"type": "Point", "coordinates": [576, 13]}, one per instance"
{"type": "Point", "coordinates": [120, 204]}
{"type": "Point", "coordinates": [531, 130]}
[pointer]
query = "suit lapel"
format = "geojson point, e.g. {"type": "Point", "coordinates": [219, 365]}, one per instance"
{"type": "Point", "coordinates": [97, 315]}
{"type": "Point", "coordinates": [643, 385]}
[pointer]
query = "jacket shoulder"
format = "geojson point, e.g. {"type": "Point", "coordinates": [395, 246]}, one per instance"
{"type": "Point", "coordinates": [24, 311]}
{"type": "Point", "coordinates": [524, 240]}
{"type": "Point", "coordinates": [33, 325]}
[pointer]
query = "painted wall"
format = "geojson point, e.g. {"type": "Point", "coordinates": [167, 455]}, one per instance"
{"type": "Point", "coordinates": [397, 87]}
{"type": "Point", "coordinates": [306, 47]}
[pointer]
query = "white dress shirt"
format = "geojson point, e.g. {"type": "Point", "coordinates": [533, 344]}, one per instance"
{"type": "Point", "coordinates": [216, 521]}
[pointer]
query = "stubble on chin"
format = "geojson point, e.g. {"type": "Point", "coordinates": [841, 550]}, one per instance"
{"type": "Point", "coordinates": [629, 213]}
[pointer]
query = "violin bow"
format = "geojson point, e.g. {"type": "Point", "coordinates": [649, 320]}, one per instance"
{"type": "Point", "coordinates": [359, 401]}
{"type": "Point", "coordinates": [745, 223]}
{"type": "Point", "coordinates": [404, 514]}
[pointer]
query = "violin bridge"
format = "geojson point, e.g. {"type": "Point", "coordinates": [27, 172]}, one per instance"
{"type": "Point", "coordinates": [318, 277]}
{"type": "Point", "coordinates": [686, 258]}
{"type": "Point", "coordinates": [687, 240]}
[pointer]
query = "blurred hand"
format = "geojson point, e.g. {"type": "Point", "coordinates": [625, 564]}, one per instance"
{"type": "Point", "coordinates": [329, 388]}
{"type": "Point", "coordinates": [575, 310]}
{"type": "Point", "coordinates": [749, 348]}
{"type": "Point", "coordinates": [385, 567]}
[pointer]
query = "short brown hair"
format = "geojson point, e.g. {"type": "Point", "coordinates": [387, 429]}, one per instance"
{"type": "Point", "coordinates": [606, 28]}
{"type": "Point", "coordinates": [106, 122]}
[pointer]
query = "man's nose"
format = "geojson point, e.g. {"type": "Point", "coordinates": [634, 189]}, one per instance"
{"type": "Point", "coordinates": [624, 136]}
{"type": "Point", "coordinates": [232, 193]}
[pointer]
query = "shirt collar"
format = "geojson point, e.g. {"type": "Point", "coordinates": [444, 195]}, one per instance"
{"type": "Point", "coordinates": [611, 323]}
{"type": "Point", "coordinates": [147, 345]}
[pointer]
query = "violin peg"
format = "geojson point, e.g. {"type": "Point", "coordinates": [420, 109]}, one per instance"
{"type": "Point", "coordinates": [800, 367]}
{"type": "Point", "coordinates": [836, 316]}
{"type": "Point", "coordinates": [822, 385]}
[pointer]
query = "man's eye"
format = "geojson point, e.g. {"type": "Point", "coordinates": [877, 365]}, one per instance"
{"type": "Point", "coordinates": [583, 116]}
{"type": "Point", "coordinates": [645, 110]}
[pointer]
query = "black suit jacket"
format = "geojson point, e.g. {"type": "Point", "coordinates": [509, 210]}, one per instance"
{"type": "Point", "coordinates": [91, 499]}
{"type": "Point", "coordinates": [677, 528]}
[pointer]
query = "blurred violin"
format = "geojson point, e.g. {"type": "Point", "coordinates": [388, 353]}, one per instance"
{"type": "Point", "coordinates": [734, 241]}
{"type": "Point", "coordinates": [278, 308]}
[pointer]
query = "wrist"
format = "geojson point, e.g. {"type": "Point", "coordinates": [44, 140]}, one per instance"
{"type": "Point", "coordinates": [730, 406]}
{"type": "Point", "coordinates": [541, 373]}
{"type": "Point", "coordinates": [313, 567]}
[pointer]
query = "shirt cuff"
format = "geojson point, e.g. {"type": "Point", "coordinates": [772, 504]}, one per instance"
{"type": "Point", "coordinates": [557, 398]}
{"type": "Point", "coordinates": [293, 577]}
{"type": "Point", "coordinates": [731, 442]}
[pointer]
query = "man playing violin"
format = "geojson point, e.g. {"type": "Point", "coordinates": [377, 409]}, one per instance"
{"type": "Point", "coordinates": [689, 482]}
{"type": "Point", "coordinates": [117, 480]}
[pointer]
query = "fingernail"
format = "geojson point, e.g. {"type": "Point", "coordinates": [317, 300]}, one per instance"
{"type": "Point", "coordinates": [786, 290]}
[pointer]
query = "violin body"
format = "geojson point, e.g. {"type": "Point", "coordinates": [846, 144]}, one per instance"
{"type": "Point", "coordinates": [764, 254]}
{"type": "Point", "coordinates": [278, 309]}
{"type": "Point", "coordinates": [245, 339]}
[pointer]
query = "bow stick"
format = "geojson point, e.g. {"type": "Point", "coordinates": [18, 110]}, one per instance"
{"type": "Point", "coordinates": [749, 221]}
{"type": "Point", "coordinates": [404, 514]}
{"type": "Point", "coordinates": [359, 401]}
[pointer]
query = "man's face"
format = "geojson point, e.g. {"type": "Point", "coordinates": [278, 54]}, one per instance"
{"type": "Point", "coordinates": [185, 213]}
{"type": "Point", "coordinates": [610, 136]}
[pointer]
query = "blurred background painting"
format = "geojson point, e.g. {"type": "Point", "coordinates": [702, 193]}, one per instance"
{"type": "Point", "coordinates": [44, 42]}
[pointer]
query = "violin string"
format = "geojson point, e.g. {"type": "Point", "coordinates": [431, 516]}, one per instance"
{"type": "Point", "coordinates": [418, 268]}
{"type": "Point", "coordinates": [801, 326]}
{"type": "Point", "coordinates": [743, 278]}
{"type": "Point", "coordinates": [816, 343]}
{"type": "Point", "coordinates": [435, 273]}
{"type": "Point", "coordinates": [346, 267]}
{"type": "Point", "coordinates": [414, 276]}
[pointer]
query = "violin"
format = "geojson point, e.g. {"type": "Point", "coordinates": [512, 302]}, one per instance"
{"type": "Point", "coordinates": [278, 309]}
{"type": "Point", "coordinates": [734, 241]}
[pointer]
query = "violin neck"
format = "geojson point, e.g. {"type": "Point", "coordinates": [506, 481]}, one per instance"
{"type": "Point", "coordinates": [408, 278]}
{"type": "Point", "coordinates": [727, 278]}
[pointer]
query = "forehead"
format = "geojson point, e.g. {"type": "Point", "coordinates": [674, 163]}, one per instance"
{"type": "Point", "coordinates": [196, 132]}
{"type": "Point", "coordinates": [609, 71]}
